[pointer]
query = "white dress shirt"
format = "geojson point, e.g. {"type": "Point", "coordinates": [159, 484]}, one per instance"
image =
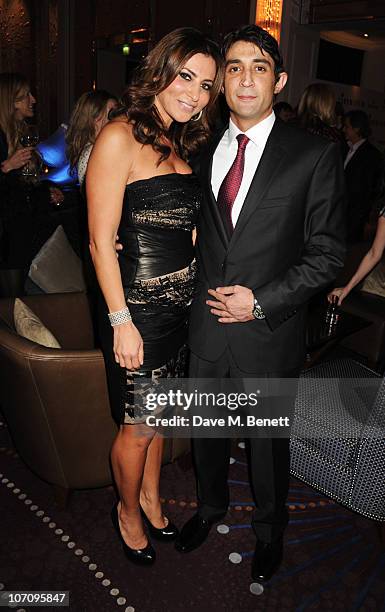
{"type": "Point", "coordinates": [352, 149]}
{"type": "Point", "coordinates": [225, 155]}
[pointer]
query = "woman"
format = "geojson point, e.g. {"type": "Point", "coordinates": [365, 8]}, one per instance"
{"type": "Point", "coordinates": [367, 264]}
{"type": "Point", "coordinates": [16, 104]}
{"type": "Point", "coordinates": [316, 112]}
{"type": "Point", "coordinates": [89, 116]}
{"type": "Point", "coordinates": [140, 185]}
{"type": "Point", "coordinates": [19, 200]}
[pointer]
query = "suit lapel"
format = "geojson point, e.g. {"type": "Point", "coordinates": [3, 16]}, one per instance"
{"type": "Point", "coordinates": [206, 171]}
{"type": "Point", "coordinates": [268, 167]}
{"type": "Point", "coordinates": [356, 157]}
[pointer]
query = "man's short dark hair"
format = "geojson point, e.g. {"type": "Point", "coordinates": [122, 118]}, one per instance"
{"type": "Point", "coordinates": [258, 37]}
{"type": "Point", "coordinates": [359, 120]}
{"type": "Point", "coordinates": [282, 106]}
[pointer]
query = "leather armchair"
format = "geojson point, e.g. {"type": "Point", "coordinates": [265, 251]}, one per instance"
{"type": "Point", "coordinates": [55, 401]}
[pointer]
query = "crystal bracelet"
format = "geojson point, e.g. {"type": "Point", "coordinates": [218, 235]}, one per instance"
{"type": "Point", "coordinates": [119, 317]}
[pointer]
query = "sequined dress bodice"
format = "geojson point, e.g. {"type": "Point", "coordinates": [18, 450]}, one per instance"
{"type": "Point", "coordinates": [158, 217]}
{"type": "Point", "coordinates": [157, 261]}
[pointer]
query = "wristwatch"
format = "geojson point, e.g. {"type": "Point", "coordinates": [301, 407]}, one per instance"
{"type": "Point", "coordinates": [257, 310]}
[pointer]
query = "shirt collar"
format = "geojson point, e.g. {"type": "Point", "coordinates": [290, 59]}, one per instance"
{"type": "Point", "coordinates": [354, 147]}
{"type": "Point", "coordinates": [258, 134]}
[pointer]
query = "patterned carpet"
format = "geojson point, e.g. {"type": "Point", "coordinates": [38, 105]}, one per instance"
{"type": "Point", "coordinates": [333, 560]}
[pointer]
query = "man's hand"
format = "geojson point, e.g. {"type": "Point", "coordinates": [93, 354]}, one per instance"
{"type": "Point", "coordinates": [233, 304]}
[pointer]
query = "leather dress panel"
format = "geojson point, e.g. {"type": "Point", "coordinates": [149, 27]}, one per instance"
{"type": "Point", "coordinates": [157, 262]}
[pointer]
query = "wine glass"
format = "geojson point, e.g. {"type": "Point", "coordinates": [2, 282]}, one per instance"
{"type": "Point", "coordinates": [30, 138]}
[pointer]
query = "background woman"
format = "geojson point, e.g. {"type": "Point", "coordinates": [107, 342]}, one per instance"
{"type": "Point", "coordinates": [19, 200]}
{"type": "Point", "coordinates": [367, 264]}
{"type": "Point", "coordinates": [316, 112]}
{"type": "Point", "coordinates": [16, 104]}
{"type": "Point", "coordinates": [89, 116]}
{"type": "Point", "coordinates": [139, 184]}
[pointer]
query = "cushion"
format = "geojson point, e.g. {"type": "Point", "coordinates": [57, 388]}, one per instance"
{"type": "Point", "coordinates": [375, 281]}
{"type": "Point", "coordinates": [28, 325]}
{"type": "Point", "coordinates": [56, 268]}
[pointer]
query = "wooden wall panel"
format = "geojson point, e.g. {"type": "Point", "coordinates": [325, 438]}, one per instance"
{"type": "Point", "coordinates": [231, 14]}
{"type": "Point", "coordinates": [215, 17]}
{"type": "Point", "coordinates": [114, 16]}
{"type": "Point", "coordinates": [174, 14]}
{"type": "Point", "coordinates": [83, 56]}
{"type": "Point", "coordinates": [17, 52]}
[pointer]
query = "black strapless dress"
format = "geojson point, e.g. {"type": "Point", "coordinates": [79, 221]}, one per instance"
{"type": "Point", "coordinates": [158, 272]}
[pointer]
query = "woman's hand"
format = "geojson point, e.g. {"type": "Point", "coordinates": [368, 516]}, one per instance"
{"type": "Point", "coordinates": [338, 295]}
{"type": "Point", "coordinates": [17, 160]}
{"type": "Point", "coordinates": [128, 346]}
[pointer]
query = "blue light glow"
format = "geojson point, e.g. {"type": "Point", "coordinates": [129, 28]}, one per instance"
{"type": "Point", "coordinates": [53, 152]}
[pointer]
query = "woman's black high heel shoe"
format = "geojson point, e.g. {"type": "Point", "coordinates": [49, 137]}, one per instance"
{"type": "Point", "coordinates": [167, 533]}
{"type": "Point", "coordinates": [141, 556]}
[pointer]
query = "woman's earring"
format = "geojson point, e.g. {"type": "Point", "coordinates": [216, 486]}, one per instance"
{"type": "Point", "coordinates": [197, 117]}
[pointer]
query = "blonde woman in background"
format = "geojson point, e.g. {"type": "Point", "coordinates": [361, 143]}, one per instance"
{"type": "Point", "coordinates": [89, 116]}
{"type": "Point", "coordinates": [316, 112]}
{"type": "Point", "coordinates": [16, 104]}
{"type": "Point", "coordinates": [20, 199]}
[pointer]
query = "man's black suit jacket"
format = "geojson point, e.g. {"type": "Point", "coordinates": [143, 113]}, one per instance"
{"type": "Point", "coordinates": [363, 175]}
{"type": "Point", "coordinates": [287, 245]}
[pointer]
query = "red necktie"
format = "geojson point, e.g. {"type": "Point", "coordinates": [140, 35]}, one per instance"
{"type": "Point", "coordinates": [231, 183]}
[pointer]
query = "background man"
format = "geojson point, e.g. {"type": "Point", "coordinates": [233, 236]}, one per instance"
{"type": "Point", "coordinates": [284, 111]}
{"type": "Point", "coordinates": [363, 173]}
{"type": "Point", "coordinates": [269, 237]}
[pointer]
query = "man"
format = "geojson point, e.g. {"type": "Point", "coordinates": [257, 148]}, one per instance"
{"type": "Point", "coordinates": [269, 237]}
{"type": "Point", "coordinates": [284, 111]}
{"type": "Point", "coordinates": [363, 172]}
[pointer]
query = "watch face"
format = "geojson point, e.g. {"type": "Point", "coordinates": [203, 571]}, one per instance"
{"type": "Point", "coordinates": [257, 311]}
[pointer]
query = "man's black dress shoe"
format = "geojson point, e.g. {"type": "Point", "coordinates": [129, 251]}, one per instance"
{"type": "Point", "coordinates": [141, 556]}
{"type": "Point", "coordinates": [193, 534]}
{"type": "Point", "coordinates": [166, 534]}
{"type": "Point", "coordinates": [267, 559]}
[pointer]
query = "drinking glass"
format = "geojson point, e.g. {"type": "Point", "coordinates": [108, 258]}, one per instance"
{"type": "Point", "coordinates": [30, 138]}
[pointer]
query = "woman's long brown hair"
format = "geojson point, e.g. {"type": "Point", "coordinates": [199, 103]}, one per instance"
{"type": "Point", "coordinates": [318, 101]}
{"type": "Point", "coordinates": [158, 70]}
{"type": "Point", "coordinates": [81, 128]}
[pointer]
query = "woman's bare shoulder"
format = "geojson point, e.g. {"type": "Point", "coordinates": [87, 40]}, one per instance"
{"type": "Point", "coordinates": [118, 131]}
{"type": "Point", "coordinates": [117, 148]}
